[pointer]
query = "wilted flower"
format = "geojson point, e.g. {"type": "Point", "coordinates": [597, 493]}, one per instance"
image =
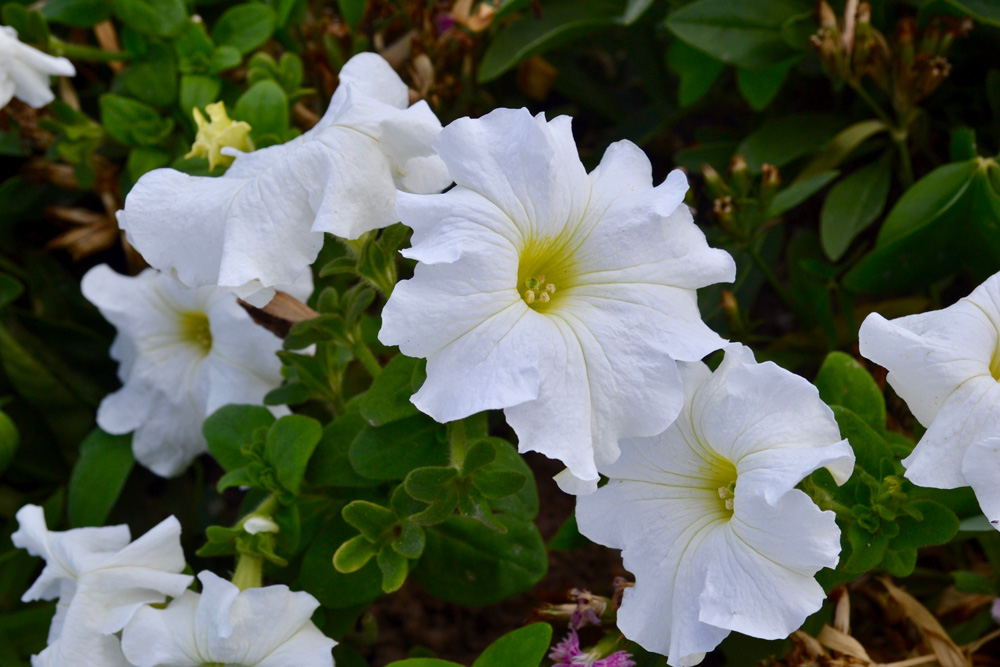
{"type": "Point", "coordinates": [24, 71]}
{"type": "Point", "coordinates": [568, 653]}
{"type": "Point", "coordinates": [100, 579]}
{"type": "Point", "coordinates": [563, 298]}
{"type": "Point", "coordinates": [261, 224]}
{"type": "Point", "coordinates": [707, 513]}
{"type": "Point", "coordinates": [183, 354]}
{"type": "Point", "coordinates": [221, 132]}
{"type": "Point", "coordinates": [946, 366]}
{"type": "Point", "coordinates": [258, 627]}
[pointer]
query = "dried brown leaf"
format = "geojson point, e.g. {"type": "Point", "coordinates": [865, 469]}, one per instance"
{"type": "Point", "coordinates": [944, 649]}
{"type": "Point", "coordinates": [843, 643]}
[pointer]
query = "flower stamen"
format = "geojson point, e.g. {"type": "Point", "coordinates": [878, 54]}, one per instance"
{"type": "Point", "coordinates": [537, 288]}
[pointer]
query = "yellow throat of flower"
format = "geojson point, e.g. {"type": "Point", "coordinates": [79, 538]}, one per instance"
{"type": "Point", "coordinates": [720, 480]}
{"type": "Point", "coordinates": [995, 361]}
{"type": "Point", "coordinates": [545, 269]}
{"type": "Point", "coordinates": [221, 132]}
{"type": "Point", "coordinates": [196, 331]}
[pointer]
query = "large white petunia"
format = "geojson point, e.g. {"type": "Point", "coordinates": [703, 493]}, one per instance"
{"type": "Point", "coordinates": [258, 627]}
{"type": "Point", "coordinates": [946, 366]}
{"type": "Point", "coordinates": [707, 516]}
{"type": "Point", "coordinates": [183, 354]}
{"type": "Point", "coordinates": [563, 297]}
{"type": "Point", "coordinates": [100, 578]}
{"type": "Point", "coordinates": [261, 224]}
{"type": "Point", "coordinates": [25, 71]}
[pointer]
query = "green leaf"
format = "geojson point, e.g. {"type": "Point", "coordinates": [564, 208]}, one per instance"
{"type": "Point", "coordinates": [154, 78]}
{"type": "Point", "coordinates": [411, 540]}
{"type": "Point", "coordinates": [238, 477]}
{"type": "Point", "coordinates": [963, 144]}
{"type": "Point", "coordinates": [867, 550]}
{"type": "Point", "coordinates": [748, 35]}
{"type": "Point", "coordinates": [697, 71]}
{"type": "Point", "coordinates": [393, 450]}
{"type": "Point", "coordinates": [290, 70]}
{"type": "Point", "coordinates": [394, 569]}
{"type": "Point", "coordinates": [245, 26]}
{"type": "Point", "coordinates": [634, 11]}
{"type": "Point", "coordinates": [289, 444]}
{"type": "Point", "coordinates": [568, 537]}
{"type": "Point", "coordinates": [480, 453]}
{"type": "Point", "coordinates": [870, 448]}
{"type": "Point", "coordinates": [353, 554]}
{"type": "Point", "coordinates": [330, 464]}
{"type": "Point", "coordinates": [152, 17]}
{"type": "Point", "coordinates": [938, 526]}
{"type": "Point", "coordinates": [10, 289]}
{"type": "Point", "coordinates": [467, 563]}
{"type": "Point", "coordinates": [843, 381]}
{"type": "Point", "coordinates": [335, 589]}
{"type": "Point", "coordinates": [371, 519]}
{"type": "Point", "coordinates": [759, 86]}
{"type": "Point", "coordinates": [984, 11]}
{"type": "Point", "coordinates": [388, 398]}
{"type": "Point", "coordinates": [524, 647]}
{"type": "Point", "coordinates": [98, 478]}
{"type": "Point", "coordinates": [499, 483]}
{"type": "Point", "coordinates": [426, 484]}
{"type": "Point", "coordinates": [423, 662]}
{"type": "Point", "coordinates": [840, 146]}
{"type": "Point", "coordinates": [899, 563]}
{"type": "Point", "coordinates": [232, 426]}
{"type": "Point", "coordinates": [142, 160]}
{"type": "Point", "coordinates": [854, 203]}
{"type": "Point", "coordinates": [798, 192]}
{"type": "Point", "coordinates": [77, 13]}
{"type": "Point", "coordinates": [198, 91]}
{"type": "Point", "coordinates": [224, 57]}
{"type": "Point", "coordinates": [523, 504]}
{"type": "Point", "coordinates": [927, 200]}
{"type": "Point", "coordinates": [781, 140]}
{"type": "Point", "coordinates": [265, 107]}
{"type": "Point", "coordinates": [69, 418]}
{"type": "Point", "coordinates": [976, 584]}
{"type": "Point", "coordinates": [352, 11]}
{"type": "Point", "coordinates": [9, 439]}
{"type": "Point", "coordinates": [133, 122]}
{"type": "Point", "coordinates": [561, 22]}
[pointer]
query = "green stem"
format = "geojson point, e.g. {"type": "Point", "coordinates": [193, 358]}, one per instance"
{"type": "Point", "coordinates": [899, 137]}
{"type": "Point", "coordinates": [769, 276]}
{"type": "Point", "coordinates": [870, 101]}
{"type": "Point", "coordinates": [81, 52]}
{"type": "Point", "coordinates": [249, 572]}
{"type": "Point", "coordinates": [367, 359]}
{"type": "Point", "coordinates": [459, 443]}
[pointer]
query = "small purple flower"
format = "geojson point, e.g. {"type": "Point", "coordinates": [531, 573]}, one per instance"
{"type": "Point", "coordinates": [567, 653]}
{"type": "Point", "coordinates": [995, 610]}
{"type": "Point", "coordinates": [444, 21]}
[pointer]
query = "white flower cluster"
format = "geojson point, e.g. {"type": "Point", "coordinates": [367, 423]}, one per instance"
{"type": "Point", "coordinates": [946, 366]}
{"type": "Point", "coordinates": [105, 584]}
{"type": "Point", "coordinates": [566, 299]}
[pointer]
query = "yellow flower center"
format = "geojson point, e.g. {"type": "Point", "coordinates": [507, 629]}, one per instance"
{"type": "Point", "coordinates": [995, 362]}
{"type": "Point", "coordinates": [196, 330]}
{"type": "Point", "coordinates": [720, 480]}
{"type": "Point", "coordinates": [546, 267]}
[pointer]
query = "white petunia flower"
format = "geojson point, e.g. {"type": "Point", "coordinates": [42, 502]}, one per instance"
{"type": "Point", "coordinates": [100, 578]}
{"type": "Point", "coordinates": [24, 71]}
{"type": "Point", "coordinates": [981, 467]}
{"type": "Point", "coordinates": [562, 297]}
{"type": "Point", "coordinates": [261, 224]}
{"type": "Point", "coordinates": [183, 354]}
{"type": "Point", "coordinates": [707, 514]}
{"type": "Point", "coordinates": [946, 366]}
{"type": "Point", "coordinates": [258, 627]}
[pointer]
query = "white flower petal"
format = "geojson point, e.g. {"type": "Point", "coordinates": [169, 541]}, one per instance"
{"type": "Point", "coordinates": [25, 71]}
{"type": "Point", "coordinates": [981, 467]}
{"type": "Point", "coordinates": [164, 637]}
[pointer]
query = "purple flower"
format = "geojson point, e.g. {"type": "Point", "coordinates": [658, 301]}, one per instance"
{"type": "Point", "coordinates": [567, 653]}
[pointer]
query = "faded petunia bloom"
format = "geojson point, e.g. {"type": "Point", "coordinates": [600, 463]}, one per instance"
{"type": "Point", "coordinates": [100, 578]}
{"type": "Point", "coordinates": [568, 653]}
{"type": "Point", "coordinates": [183, 354]}
{"type": "Point", "coordinates": [25, 71]}
{"type": "Point", "coordinates": [221, 132]}
{"type": "Point", "coordinates": [946, 366]}
{"type": "Point", "coordinates": [707, 514]}
{"type": "Point", "coordinates": [562, 297]}
{"type": "Point", "coordinates": [262, 223]}
{"type": "Point", "coordinates": [258, 627]}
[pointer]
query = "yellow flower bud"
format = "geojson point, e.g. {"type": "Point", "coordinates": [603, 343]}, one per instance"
{"type": "Point", "coordinates": [222, 131]}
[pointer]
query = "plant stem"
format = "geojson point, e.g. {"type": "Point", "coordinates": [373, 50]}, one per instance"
{"type": "Point", "coordinates": [81, 52]}
{"type": "Point", "coordinates": [249, 572]}
{"type": "Point", "coordinates": [459, 442]}
{"type": "Point", "coordinates": [367, 359]}
{"type": "Point", "coordinates": [899, 137]}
